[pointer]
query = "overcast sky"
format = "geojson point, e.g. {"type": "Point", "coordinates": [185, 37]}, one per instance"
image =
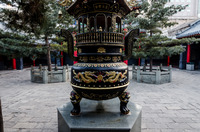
{"type": "Point", "coordinates": [4, 6]}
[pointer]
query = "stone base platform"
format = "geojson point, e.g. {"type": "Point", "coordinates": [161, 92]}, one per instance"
{"type": "Point", "coordinates": [100, 116]}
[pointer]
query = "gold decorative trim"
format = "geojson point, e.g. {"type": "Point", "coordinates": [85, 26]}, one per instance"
{"type": "Point", "coordinates": [120, 50]}
{"type": "Point", "coordinates": [99, 11]}
{"type": "Point", "coordinates": [102, 88]}
{"type": "Point", "coordinates": [116, 58]}
{"type": "Point", "coordinates": [100, 64]}
{"type": "Point", "coordinates": [100, 58]}
{"type": "Point", "coordinates": [92, 58]}
{"type": "Point", "coordinates": [99, 96]}
{"type": "Point", "coordinates": [65, 2]}
{"type": "Point", "coordinates": [107, 58]}
{"type": "Point", "coordinates": [79, 50]}
{"type": "Point", "coordinates": [113, 44]}
{"type": "Point", "coordinates": [101, 6]}
{"type": "Point", "coordinates": [83, 58]}
{"type": "Point", "coordinates": [101, 50]}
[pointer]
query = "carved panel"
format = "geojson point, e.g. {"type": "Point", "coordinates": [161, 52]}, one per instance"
{"type": "Point", "coordinates": [100, 58]}
{"type": "Point", "coordinates": [100, 76]}
{"type": "Point", "coordinates": [100, 65]}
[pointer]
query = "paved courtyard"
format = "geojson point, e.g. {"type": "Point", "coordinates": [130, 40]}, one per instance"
{"type": "Point", "coordinates": [32, 107]}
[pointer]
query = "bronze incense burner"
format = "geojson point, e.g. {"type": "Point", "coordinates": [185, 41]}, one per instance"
{"type": "Point", "coordinates": [100, 73]}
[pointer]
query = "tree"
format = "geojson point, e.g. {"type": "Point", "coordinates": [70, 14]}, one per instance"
{"type": "Point", "coordinates": [153, 17]}
{"type": "Point", "coordinates": [158, 46]}
{"type": "Point", "coordinates": [14, 45]}
{"type": "Point", "coordinates": [36, 18]}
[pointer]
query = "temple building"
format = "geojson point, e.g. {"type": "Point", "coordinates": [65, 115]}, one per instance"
{"type": "Point", "coordinates": [183, 18]}
{"type": "Point", "coordinates": [191, 55]}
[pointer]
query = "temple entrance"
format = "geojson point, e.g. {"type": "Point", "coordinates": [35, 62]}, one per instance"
{"type": "Point", "coordinates": [195, 55]}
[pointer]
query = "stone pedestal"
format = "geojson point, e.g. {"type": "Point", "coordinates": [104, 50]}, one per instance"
{"type": "Point", "coordinates": [100, 116]}
{"type": "Point", "coordinates": [190, 67]}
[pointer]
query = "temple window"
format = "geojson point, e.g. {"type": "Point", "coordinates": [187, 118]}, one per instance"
{"type": "Point", "coordinates": [109, 23]}
{"type": "Point", "coordinates": [101, 22]}
{"type": "Point", "coordinates": [80, 25]}
{"type": "Point", "coordinates": [92, 24]}
{"type": "Point", "coordinates": [85, 25]}
{"type": "Point", "coordinates": [118, 24]}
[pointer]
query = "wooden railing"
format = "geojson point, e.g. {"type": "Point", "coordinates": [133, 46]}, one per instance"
{"type": "Point", "coordinates": [100, 37]}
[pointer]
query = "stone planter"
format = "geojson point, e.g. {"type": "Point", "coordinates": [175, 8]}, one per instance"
{"type": "Point", "coordinates": [159, 75]}
{"type": "Point", "coordinates": [42, 75]}
{"type": "Point", "coordinates": [190, 66]}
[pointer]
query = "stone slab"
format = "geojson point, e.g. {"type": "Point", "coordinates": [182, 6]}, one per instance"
{"type": "Point", "coordinates": [100, 116]}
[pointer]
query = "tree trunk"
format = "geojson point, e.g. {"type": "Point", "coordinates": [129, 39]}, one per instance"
{"type": "Point", "coordinates": [48, 54]}
{"type": "Point", "coordinates": [151, 59]}
{"type": "Point", "coordinates": [1, 118]}
{"type": "Point", "coordinates": [55, 61]}
{"type": "Point", "coordinates": [151, 34]}
{"type": "Point", "coordinates": [151, 64]}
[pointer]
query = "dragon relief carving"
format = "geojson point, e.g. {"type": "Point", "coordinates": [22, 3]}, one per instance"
{"type": "Point", "coordinates": [114, 76]}
{"type": "Point", "coordinates": [95, 76]}
{"type": "Point", "coordinates": [84, 76]}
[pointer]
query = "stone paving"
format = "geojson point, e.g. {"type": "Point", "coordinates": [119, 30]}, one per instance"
{"type": "Point", "coordinates": [32, 107]}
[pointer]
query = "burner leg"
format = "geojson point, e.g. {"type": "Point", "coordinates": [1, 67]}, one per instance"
{"type": "Point", "coordinates": [75, 100]}
{"type": "Point", "coordinates": [124, 99]}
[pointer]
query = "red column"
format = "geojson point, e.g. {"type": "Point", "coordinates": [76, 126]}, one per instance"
{"type": "Point", "coordinates": [75, 54]}
{"type": "Point", "coordinates": [168, 61]}
{"type": "Point", "coordinates": [33, 61]}
{"type": "Point", "coordinates": [139, 59]}
{"type": "Point", "coordinates": [14, 63]}
{"type": "Point", "coordinates": [61, 59]}
{"type": "Point", "coordinates": [188, 53]}
{"type": "Point", "coordinates": [126, 30]}
{"type": "Point", "coordinates": [126, 62]}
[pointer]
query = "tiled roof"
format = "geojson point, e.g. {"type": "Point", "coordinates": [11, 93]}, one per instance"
{"type": "Point", "coordinates": [193, 30]}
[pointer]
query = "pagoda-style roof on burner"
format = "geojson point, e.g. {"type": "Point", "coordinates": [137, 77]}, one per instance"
{"type": "Point", "coordinates": [81, 7]}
